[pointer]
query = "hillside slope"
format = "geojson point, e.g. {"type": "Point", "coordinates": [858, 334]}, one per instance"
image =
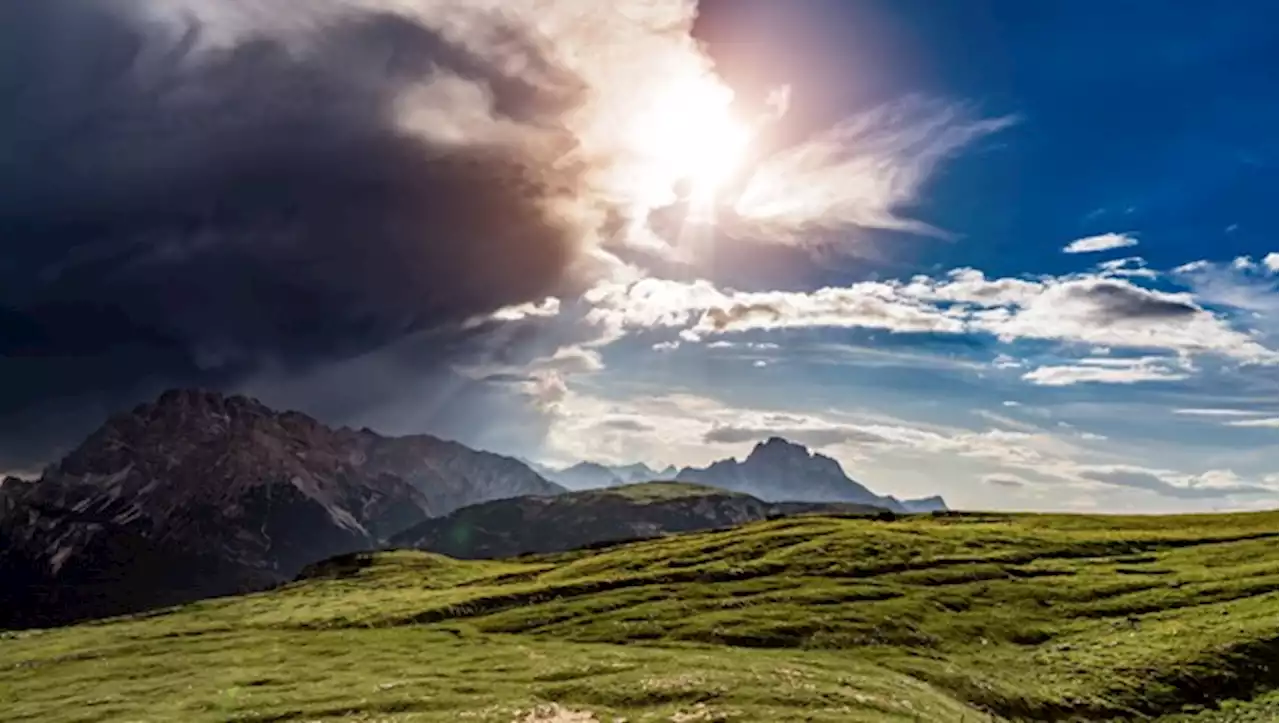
{"type": "Point", "coordinates": [520, 525]}
{"type": "Point", "coordinates": [948, 618]}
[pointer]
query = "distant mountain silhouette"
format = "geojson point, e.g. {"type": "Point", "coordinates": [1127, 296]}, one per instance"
{"type": "Point", "coordinates": [590, 475]}
{"type": "Point", "coordinates": [780, 470]}
{"type": "Point", "coordinates": [775, 470]}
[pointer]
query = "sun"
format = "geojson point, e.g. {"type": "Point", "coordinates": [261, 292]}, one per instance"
{"type": "Point", "coordinates": [689, 134]}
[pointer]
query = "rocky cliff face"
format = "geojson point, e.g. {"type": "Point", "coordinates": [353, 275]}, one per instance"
{"type": "Point", "coordinates": [511, 527]}
{"type": "Point", "coordinates": [201, 494]}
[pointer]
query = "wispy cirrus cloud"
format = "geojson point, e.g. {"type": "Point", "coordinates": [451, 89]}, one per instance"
{"type": "Point", "coordinates": [1101, 242]}
{"type": "Point", "coordinates": [1215, 412]}
{"type": "Point", "coordinates": [1109, 371]}
{"type": "Point", "coordinates": [859, 173]}
{"type": "Point", "coordinates": [1272, 422]}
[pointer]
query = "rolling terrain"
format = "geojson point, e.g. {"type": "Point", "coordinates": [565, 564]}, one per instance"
{"type": "Point", "coordinates": [953, 617]}
{"type": "Point", "coordinates": [522, 525]}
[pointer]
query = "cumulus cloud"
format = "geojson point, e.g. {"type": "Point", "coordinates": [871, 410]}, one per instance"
{"type": "Point", "coordinates": [1095, 310]}
{"type": "Point", "coordinates": [1101, 242]}
{"type": "Point", "coordinates": [1108, 370]}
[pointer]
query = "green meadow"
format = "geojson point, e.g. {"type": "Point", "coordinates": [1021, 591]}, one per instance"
{"type": "Point", "coordinates": [960, 617]}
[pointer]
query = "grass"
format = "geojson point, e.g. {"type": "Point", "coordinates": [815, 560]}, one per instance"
{"type": "Point", "coordinates": [949, 618]}
{"type": "Point", "coordinates": [656, 491]}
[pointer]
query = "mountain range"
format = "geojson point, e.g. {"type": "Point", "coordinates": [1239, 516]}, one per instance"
{"type": "Point", "coordinates": [198, 494]}
{"type": "Point", "coordinates": [775, 470]}
{"type": "Point", "coordinates": [588, 475]}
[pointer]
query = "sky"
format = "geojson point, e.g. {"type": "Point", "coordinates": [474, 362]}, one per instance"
{"type": "Point", "coordinates": [1022, 255]}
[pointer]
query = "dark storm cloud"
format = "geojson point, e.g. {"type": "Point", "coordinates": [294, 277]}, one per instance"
{"type": "Point", "coordinates": [176, 211]}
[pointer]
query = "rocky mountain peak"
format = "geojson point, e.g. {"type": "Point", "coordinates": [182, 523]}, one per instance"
{"type": "Point", "coordinates": [777, 448]}
{"type": "Point", "coordinates": [778, 469]}
{"type": "Point", "coordinates": [173, 426]}
{"type": "Point", "coordinates": [783, 456]}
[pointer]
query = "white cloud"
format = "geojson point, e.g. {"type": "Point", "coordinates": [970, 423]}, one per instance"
{"type": "Point", "coordinates": [858, 173]}
{"type": "Point", "coordinates": [1004, 361]}
{"type": "Point", "coordinates": [1191, 266]}
{"type": "Point", "coordinates": [546, 389]}
{"type": "Point", "coordinates": [1010, 403]}
{"type": "Point", "coordinates": [1081, 309]}
{"type": "Point", "coordinates": [1210, 484]}
{"type": "Point", "coordinates": [1134, 266]}
{"type": "Point", "coordinates": [1101, 242]}
{"type": "Point", "coordinates": [1119, 314]}
{"type": "Point", "coordinates": [1272, 422]}
{"type": "Point", "coordinates": [1211, 412]}
{"type": "Point", "coordinates": [549, 306]}
{"type": "Point", "coordinates": [1107, 371]}
{"type": "Point", "coordinates": [1052, 467]}
{"type": "Point", "coordinates": [571, 360]}
{"type": "Point", "coordinates": [1272, 261]}
{"type": "Point", "coordinates": [666, 345]}
{"type": "Point", "coordinates": [685, 429]}
{"type": "Point", "coordinates": [752, 345]}
{"type": "Point", "coordinates": [1242, 284]}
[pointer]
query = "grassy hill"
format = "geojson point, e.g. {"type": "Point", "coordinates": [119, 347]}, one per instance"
{"type": "Point", "coordinates": [544, 524]}
{"type": "Point", "coordinates": [951, 618]}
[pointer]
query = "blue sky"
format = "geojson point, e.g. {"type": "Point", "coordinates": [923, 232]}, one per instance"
{"type": "Point", "coordinates": [1018, 253]}
{"type": "Point", "coordinates": [1143, 126]}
